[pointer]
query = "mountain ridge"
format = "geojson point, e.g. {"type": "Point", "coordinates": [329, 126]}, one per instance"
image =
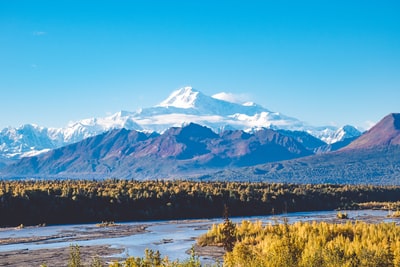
{"type": "Point", "coordinates": [373, 158]}
{"type": "Point", "coordinates": [385, 133]}
{"type": "Point", "coordinates": [183, 106]}
{"type": "Point", "coordinates": [178, 151]}
{"type": "Point", "coordinates": [197, 152]}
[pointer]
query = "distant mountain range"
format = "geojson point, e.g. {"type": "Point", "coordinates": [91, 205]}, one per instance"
{"type": "Point", "coordinates": [197, 152]}
{"type": "Point", "coordinates": [373, 158]}
{"type": "Point", "coordinates": [182, 107]}
{"type": "Point", "coordinates": [179, 151]}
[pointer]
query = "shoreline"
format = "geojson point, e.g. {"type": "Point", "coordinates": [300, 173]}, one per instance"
{"type": "Point", "coordinates": [54, 255]}
{"type": "Point", "coordinates": [90, 232]}
{"type": "Point", "coordinates": [57, 256]}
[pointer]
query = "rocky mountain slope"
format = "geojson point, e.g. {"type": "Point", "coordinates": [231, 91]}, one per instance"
{"type": "Point", "coordinates": [384, 134]}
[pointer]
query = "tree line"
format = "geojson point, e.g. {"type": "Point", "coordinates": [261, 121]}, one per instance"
{"type": "Point", "coordinates": [33, 202]}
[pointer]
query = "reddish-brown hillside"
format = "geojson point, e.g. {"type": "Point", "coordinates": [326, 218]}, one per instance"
{"type": "Point", "coordinates": [384, 133]}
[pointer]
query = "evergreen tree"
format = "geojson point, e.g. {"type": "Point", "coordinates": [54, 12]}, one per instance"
{"type": "Point", "coordinates": [228, 231]}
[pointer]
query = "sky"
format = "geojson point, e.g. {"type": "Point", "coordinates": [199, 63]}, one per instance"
{"type": "Point", "coordinates": [323, 62]}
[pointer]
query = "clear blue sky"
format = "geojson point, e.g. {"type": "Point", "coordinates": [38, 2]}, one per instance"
{"type": "Point", "coordinates": [323, 62]}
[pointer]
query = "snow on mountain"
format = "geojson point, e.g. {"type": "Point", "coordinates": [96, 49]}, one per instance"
{"type": "Point", "coordinates": [345, 132]}
{"type": "Point", "coordinates": [228, 97]}
{"type": "Point", "coordinates": [189, 105]}
{"type": "Point", "coordinates": [219, 112]}
{"type": "Point", "coordinates": [29, 140]}
{"type": "Point", "coordinates": [331, 134]}
{"type": "Point", "coordinates": [190, 101]}
{"type": "Point", "coordinates": [15, 142]}
{"type": "Point", "coordinates": [76, 131]}
{"type": "Point", "coordinates": [182, 98]}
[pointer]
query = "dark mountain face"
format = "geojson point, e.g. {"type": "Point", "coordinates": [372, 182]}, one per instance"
{"type": "Point", "coordinates": [5, 161]}
{"type": "Point", "coordinates": [307, 140]}
{"type": "Point", "coordinates": [372, 166]}
{"type": "Point", "coordinates": [335, 146]}
{"type": "Point", "coordinates": [179, 151]}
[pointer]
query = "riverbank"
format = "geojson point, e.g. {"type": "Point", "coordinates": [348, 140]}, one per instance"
{"type": "Point", "coordinates": [57, 256]}
{"type": "Point", "coordinates": [84, 233]}
{"type": "Point", "coordinates": [33, 246]}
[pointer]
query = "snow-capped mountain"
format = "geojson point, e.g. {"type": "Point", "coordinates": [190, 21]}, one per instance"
{"type": "Point", "coordinates": [331, 134]}
{"type": "Point", "coordinates": [188, 105]}
{"type": "Point", "coordinates": [183, 106]}
{"type": "Point", "coordinates": [25, 140]}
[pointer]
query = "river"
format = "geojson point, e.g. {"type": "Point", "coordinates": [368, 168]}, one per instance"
{"type": "Point", "coordinates": [172, 238]}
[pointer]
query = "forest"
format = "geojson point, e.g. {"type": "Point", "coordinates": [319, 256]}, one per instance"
{"type": "Point", "coordinates": [307, 244]}
{"type": "Point", "coordinates": [38, 202]}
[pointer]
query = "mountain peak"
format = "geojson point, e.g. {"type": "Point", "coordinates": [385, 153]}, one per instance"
{"type": "Point", "coordinates": [220, 111]}
{"type": "Point", "coordinates": [396, 120]}
{"type": "Point", "coordinates": [390, 123]}
{"type": "Point", "coordinates": [346, 131]}
{"type": "Point", "coordinates": [182, 98]}
{"type": "Point", "coordinates": [384, 133]}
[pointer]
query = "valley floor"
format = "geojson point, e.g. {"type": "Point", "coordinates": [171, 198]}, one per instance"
{"type": "Point", "coordinates": [54, 256]}
{"type": "Point", "coordinates": [58, 252]}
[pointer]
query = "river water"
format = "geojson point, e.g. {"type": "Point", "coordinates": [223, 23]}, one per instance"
{"type": "Point", "coordinates": [171, 238]}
